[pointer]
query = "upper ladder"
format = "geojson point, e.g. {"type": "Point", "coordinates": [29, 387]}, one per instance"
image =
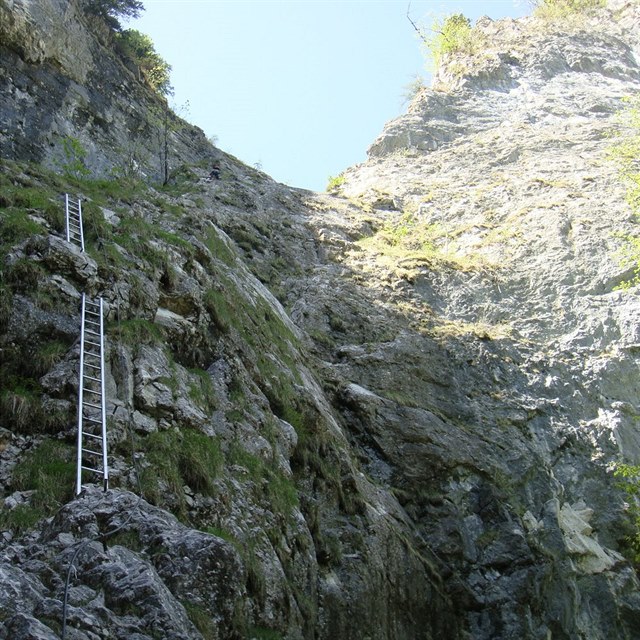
{"type": "Point", "coordinates": [73, 218]}
{"type": "Point", "coordinates": [92, 416]}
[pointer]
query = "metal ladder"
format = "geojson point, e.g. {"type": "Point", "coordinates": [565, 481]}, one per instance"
{"type": "Point", "coordinates": [73, 219]}
{"type": "Point", "coordinates": [92, 416]}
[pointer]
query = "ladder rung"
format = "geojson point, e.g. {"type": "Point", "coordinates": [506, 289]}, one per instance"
{"type": "Point", "coordinates": [93, 344]}
{"type": "Point", "coordinates": [93, 313]}
{"type": "Point", "coordinates": [88, 364]}
{"type": "Point", "coordinates": [91, 452]}
{"type": "Point", "coordinates": [93, 406]}
{"type": "Point", "coordinates": [92, 435]}
{"type": "Point", "coordinates": [91, 469]}
{"type": "Point", "coordinates": [98, 393]}
{"type": "Point", "coordinates": [84, 375]}
{"type": "Point", "coordinates": [92, 322]}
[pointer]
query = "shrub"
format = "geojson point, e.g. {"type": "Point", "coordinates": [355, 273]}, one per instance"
{"type": "Point", "coordinates": [75, 155]}
{"type": "Point", "coordinates": [553, 9]}
{"type": "Point", "coordinates": [451, 35]}
{"type": "Point", "coordinates": [335, 182]}
{"type": "Point", "coordinates": [111, 10]}
{"type": "Point", "coordinates": [138, 47]}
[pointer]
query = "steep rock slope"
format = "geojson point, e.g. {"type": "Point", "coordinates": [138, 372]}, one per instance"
{"type": "Point", "coordinates": [355, 406]}
{"type": "Point", "coordinates": [62, 78]}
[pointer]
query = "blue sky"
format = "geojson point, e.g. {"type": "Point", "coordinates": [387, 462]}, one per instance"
{"type": "Point", "coordinates": [300, 87]}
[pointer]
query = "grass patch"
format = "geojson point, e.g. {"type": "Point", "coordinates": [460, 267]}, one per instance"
{"type": "Point", "coordinates": [22, 409]}
{"type": "Point", "coordinates": [280, 491]}
{"type": "Point", "coordinates": [414, 242]}
{"type": "Point", "coordinates": [201, 389]}
{"type": "Point", "coordinates": [50, 471]}
{"type": "Point", "coordinates": [178, 458]}
{"type": "Point", "coordinates": [559, 9]}
{"type": "Point", "coordinates": [263, 633]}
{"type": "Point", "coordinates": [218, 247]}
{"type": "Point", "coordinates": [202, 620]}
{"type": "Point", "coordinates": [136, 331]}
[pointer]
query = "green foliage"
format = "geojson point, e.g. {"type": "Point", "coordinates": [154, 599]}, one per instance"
{"type": "Point", "coordinates": [630, 483]}
{"type": "Point", "coordinates": [201, 389]}
{"type": "Point", "coordinates": [452, 34]}
{"type": "Point", "coordinates": [49, 470]}
{"type": "Point", "coordinates": [111, 10]}
{"type": "Point", "coordinates": [412, 89]}
{"type": "Point", "coordinates": [21, 406]}
{"type": "Point", "coordinates": [138, 47]}
{"type": "Point", "coordinates": [335, 182]}
{"type": "Point", "coordinates": [136, 331]}
{"type": "Point", "coordinates": [17, 226]}
{"type": "Point", "coordinates": [23, 275]}
{"type": "Point", "coordinates": [75, 155]}
{"type": "Point", "coordinates": [554, 9]}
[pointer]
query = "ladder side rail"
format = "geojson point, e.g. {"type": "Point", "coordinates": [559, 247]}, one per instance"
{"type": "Point", "coordinates": [105, 467]}
{"type": "Point", "coordinates": [66, 215]}
{"type": "Point", "coordinates": [81, 227]}
{"type": "Point", "coordinates": [80, 402]}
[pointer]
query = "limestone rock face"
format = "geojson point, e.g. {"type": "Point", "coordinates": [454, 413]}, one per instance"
{"type": "Point", "coordinates": [388, 414]}
{"type": "Point", "coordinates": [60, 80]}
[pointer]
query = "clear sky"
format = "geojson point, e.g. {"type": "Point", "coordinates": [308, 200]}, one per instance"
{"type": "Point", "coordinates": [299, 87]}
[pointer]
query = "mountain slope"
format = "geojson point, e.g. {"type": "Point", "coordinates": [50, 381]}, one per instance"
{"type": "Point", "coordinates": [411, 393]}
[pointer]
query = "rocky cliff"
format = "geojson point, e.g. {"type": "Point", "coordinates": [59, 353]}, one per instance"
{"type": "Point", "coordinates": [389, 412]}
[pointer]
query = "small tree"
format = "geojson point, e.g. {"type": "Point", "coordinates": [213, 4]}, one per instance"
{"type": "Point", "coordinates": [75, 155]}
{"type": "Point", "coordinates": [448, 35]}
{"type": "Point", "coordinates": [111, 10]}
{"type": "Point", "coordinates": [138, 47]}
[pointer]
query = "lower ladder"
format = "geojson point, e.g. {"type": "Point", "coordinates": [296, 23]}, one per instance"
{"type": "Point", "coordinates": [92, 416]}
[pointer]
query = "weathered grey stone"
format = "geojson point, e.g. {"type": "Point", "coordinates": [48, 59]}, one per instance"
{"type": "Point", "coordinates": [397, 429]}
